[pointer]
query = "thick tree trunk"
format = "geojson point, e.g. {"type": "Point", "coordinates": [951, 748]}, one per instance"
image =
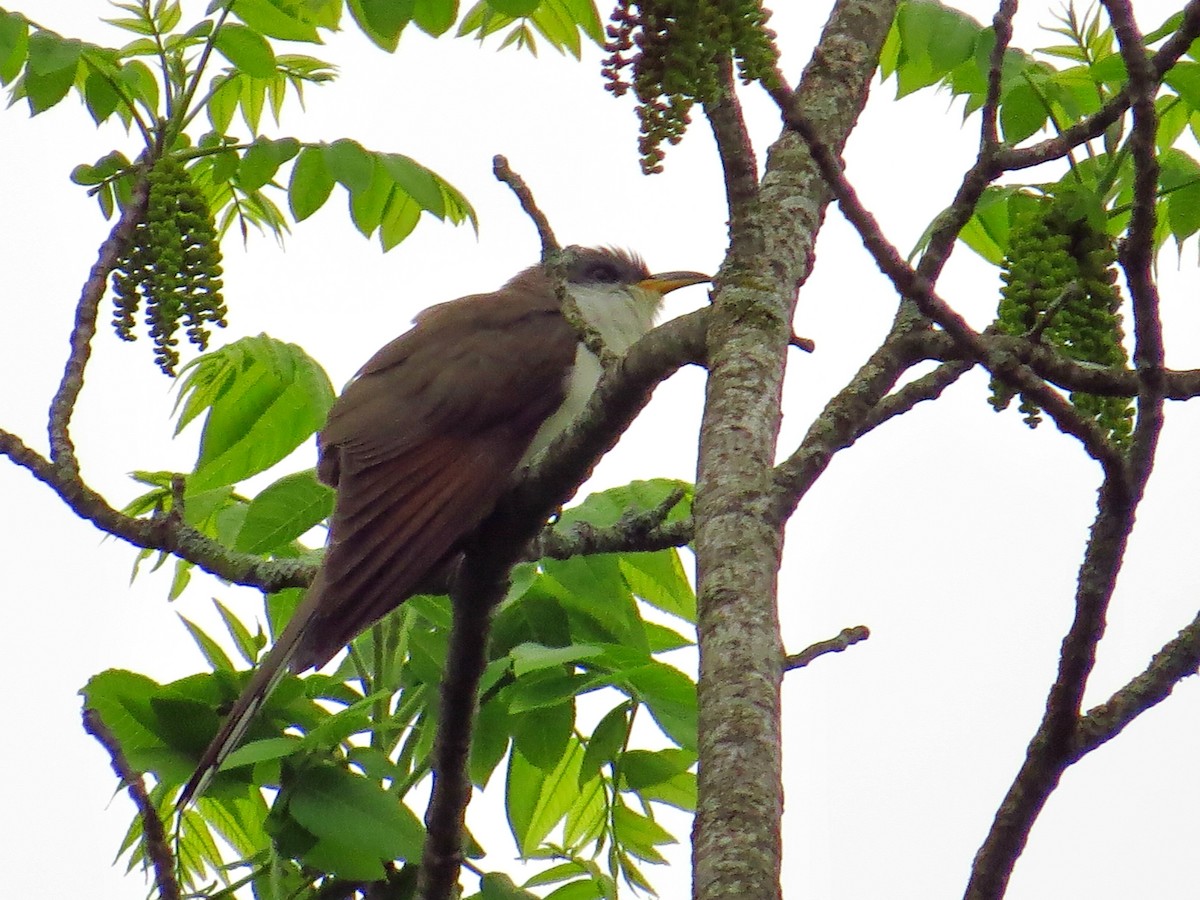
{"type": "Point", "coordinates": [737, 846]}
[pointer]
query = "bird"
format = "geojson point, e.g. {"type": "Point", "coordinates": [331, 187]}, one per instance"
{"type": "Point", "coordinates": [430, 433]}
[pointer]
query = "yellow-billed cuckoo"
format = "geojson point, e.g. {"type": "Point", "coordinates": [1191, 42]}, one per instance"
{"type": "Point", "coordinates": [427, 437]}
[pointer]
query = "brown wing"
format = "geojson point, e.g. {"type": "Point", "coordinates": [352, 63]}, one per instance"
{"type": "Point", "coordinates": [423, 443]}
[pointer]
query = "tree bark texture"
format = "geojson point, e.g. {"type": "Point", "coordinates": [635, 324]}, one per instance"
{"type": "Point", "coordinates": [737, 844]}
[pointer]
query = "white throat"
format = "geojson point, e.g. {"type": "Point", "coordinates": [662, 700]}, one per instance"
{"type": "Point", "coordinates": [620, 314]}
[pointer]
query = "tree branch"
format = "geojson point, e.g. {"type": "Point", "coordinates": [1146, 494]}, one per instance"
{"type": "Point", "coordinates": [1052, 748]}
{"type": "Point", "coordinates": [504, 173]}
{"type": "Point", "coordinates": [637, 530]}
{"type": "Point", "coordinates": [845, 639]}
{"type": "Point", "coordinates": [737, 844]}
{"type": "Point", "coordinates": [1175, 661]}
{"type": "Point", "coordinates": [157, 849]}
{"type": "Point", "coordinates": [62, 450]}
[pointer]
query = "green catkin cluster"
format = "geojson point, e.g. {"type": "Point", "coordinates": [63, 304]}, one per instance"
{"type": "Point", "coordinates": [1061, 266]}
{"type": "Point", "coordinates": [675, 64]}
{"type": "Point", "coordinates": [172, 266]}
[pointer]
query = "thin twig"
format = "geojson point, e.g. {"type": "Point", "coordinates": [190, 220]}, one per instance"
{"type": "Point", "coordinates": [637, 529]}
{"type": "Point", "coordinates": [920, 390]}
{"type": "Point", "coordinates": [62, 450]}
{"type": "Point", "coordinates": [1137, 249]}
{"type": "Point", "coordinates": [516, 183]}
{"type": "Point", "coordinates": [1177, 660]}
{"type": "Point", "coordinates": [989, 138]}
{"type": "Point", "coordinates": [846, 638]}
{"type": "Point", "coordinates": [157, 848]}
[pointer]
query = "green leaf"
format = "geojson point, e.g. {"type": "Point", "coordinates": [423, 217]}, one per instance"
{"type": "Point", "coordinates": [543, 735]}
{"type": "Point", "coordinates": [100, 96]}
{"type": "Point", "coordinates": [536, 801]}
{"type": "Point", "coordinates": [246, 49]}
{"type": "Point", "coordinates": [1022, 113]}
{"type": "Point", "coordinates": [49, 53]}
{"type": "Point", "coordinates": [547, 688]}
{"type": "Point", "coordinates": [531, 657]}
{"type": "Point", "coordinates": [338, 806]}
{"type": "Point", "coordinates": [367, 206]}
{"type": "Point", "coordinates": [659, 579]}
{"type": "Point", "coordinates": [262, 160]}
{"type": "Point", "coordinates": [583, 12]}
{"type": "Point", "coordinates": [311, 183]}
{"type": "Point", "coordinates": [400, 217]}
{"type": "Point", "coordinates": [639, 835]}
{"type": "Point", "coordinates": [561, 872]}
{"type": "Point", "coordinates": [435, 17]}
{"type": "Point", "coordinates": [587, 818]}
{"type": "Point", "coordinates": [607, 738]}
{"type": "Point", "coordinates": [606, 508]}
{"type": "Point", "coordinates": [248, 646]}
{"type": "Point", "coordinates": [211, 650]}
{"type": "Point", "coordinates": [283, 512]}
{"type": "Point", "coordinates": [415, 180]}
{"type": "Point", "coordinates": [14, 45]}
{"type": "Point", "coordinates": [122, 700]}
{"type": "Point", "coordinates": [382, 20]}
{"type": "Point", "coordinates": [140, 83]}
{"type": "Point", "coordinates": [671, 698]}
{"type": "Point", "coordinates": [350, 164]}
{"type": "Point", "coordinates": [1179, 177]}
{"type": "Point", "coordinates": [255, 752]}
{"type": "Point", "coordinates": [578, 890]}
{"type": "Point", "coordinates": [1184, 77]}
{"type": "Point", "coordinates": [50, 71]}
{"type": "Point", "coordinates": [498, 886]}
{"type": "Point", "coordinates": [986, 232]}
{"type": "Point", "coordinates": [264, 398]}
{"type": "Point", "coordinates": [514, 8]}
{"type": "Point", "coordinates": [277, 19]}
{"type": "Point", "coordinates": [489, 742]}
{"type": "Point", "coordinates": [223, 101]}
{"type": "Point", "coordinates": [644, 768]}
{"type": "Point", "coordinates": [679, 791]}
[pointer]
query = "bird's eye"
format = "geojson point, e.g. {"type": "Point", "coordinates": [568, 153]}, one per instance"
{"type": "Point", "coordinates": [604, 274]}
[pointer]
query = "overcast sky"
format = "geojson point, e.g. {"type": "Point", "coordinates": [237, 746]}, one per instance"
{"type": "Point", "coordinates": [953, 533]}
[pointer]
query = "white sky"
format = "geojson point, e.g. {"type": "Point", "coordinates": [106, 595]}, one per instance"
{"type": "Point", "coordinates": [953, 533]}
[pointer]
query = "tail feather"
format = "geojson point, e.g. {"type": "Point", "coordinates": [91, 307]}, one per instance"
{"type": "Point", "coordinates": [266, 677]}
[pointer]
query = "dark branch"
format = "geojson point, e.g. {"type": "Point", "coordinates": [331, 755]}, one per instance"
{"type": "Point", "coordinates": [846, 638]}
{"type": "Point", "coordinates": [734, 149]}
{"type": "Point", "coordinates": [525, 197]}
{"type": "Point", "coordinates": [157, 848]}
{"type": "Point", "coordinates": [1053, 747]}
{"type": "Point", "coordinates": [1175, 662]}
{"type": "Point", "coordinates": [920, 390]}
{"type": "Point", "coordinates": [62, 450]}
{"type": "Point", "coordinates": [1002, 24]}
{"type": "Point", "coordinates": [637, 530]}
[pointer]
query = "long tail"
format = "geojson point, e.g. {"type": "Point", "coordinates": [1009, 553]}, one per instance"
{"type": "Point", "coordinates": [268, 674]}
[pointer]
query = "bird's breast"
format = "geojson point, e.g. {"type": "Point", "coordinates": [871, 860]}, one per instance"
{"type": "Point", "coordinates": [578, 383]}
